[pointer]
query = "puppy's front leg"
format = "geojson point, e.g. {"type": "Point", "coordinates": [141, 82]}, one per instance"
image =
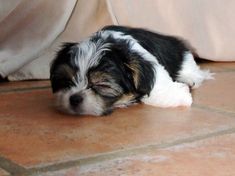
{"type": "Point", "coordinates": [166, 92]}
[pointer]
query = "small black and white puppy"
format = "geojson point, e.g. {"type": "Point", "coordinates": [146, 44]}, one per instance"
{"type": "Point", "coordinates": [119, 66]}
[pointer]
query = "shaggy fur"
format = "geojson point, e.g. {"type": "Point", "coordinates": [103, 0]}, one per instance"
{"type": "Point", "coordinates": [119, 66]}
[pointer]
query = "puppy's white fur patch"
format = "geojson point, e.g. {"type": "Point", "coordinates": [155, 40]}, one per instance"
{"type": "Point", "coordinates": [167, 93]}
{"type": "Point", "coordinates": [89, 54]}
{"type": "Point", "coordinates": [91, 104]}
{"type": "Point", "coordinates": [133, 44]}
{"type": "Point", "coordinates": [191, 74]}
{"type": "Point", "coordinates": [62, 101]}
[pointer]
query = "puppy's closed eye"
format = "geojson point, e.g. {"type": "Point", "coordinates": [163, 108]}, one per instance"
{"type": "Point", "coordinates": [104, 85]}
{"type": "Point", "coordinates": [107, 90]}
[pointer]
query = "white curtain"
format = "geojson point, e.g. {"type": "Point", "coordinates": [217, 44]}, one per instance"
{"type": "Point", "coordinates": [31, 31]}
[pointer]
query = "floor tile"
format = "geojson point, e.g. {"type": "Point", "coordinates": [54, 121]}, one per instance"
{"type": "Point", "coordinates": [214, 156]}
{"type": "Point", "coordinates": [33, 133]}
{"type": "Point", "coordinates": [218, 93]}
{"type": "Point", "coordinates": [11, 86]}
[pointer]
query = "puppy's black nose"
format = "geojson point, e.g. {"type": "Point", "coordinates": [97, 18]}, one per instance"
{"type": "Point", "coordinates": [75, 100]}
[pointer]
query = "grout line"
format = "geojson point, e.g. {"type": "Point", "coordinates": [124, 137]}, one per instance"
{"type": "Point", "coordinates": [224, 71]}
{"type": "Point", "coordinates": [25, 89]}
{"type": "Point", "coordinates": [213, 109]}
{"type": "Point", "coordinates": [126, 152]}
{"type": "Point", "coordinates": [11, 167]}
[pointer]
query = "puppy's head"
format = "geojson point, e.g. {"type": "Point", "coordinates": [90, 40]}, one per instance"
{"type": "Point", "coordinates": [93, 77]}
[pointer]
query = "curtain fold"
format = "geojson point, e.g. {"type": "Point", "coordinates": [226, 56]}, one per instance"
{"type": "Point", "coordinates": [31, 31]}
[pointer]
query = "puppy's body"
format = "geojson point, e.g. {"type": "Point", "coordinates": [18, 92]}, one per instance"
{"type": "Point", "coordinates": [119, 66]}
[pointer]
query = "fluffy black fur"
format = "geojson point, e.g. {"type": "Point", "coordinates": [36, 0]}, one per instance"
{"type": "Point", "coordinates": [65, 56]}
{"type": "Point", "coordinates": [168, 50]}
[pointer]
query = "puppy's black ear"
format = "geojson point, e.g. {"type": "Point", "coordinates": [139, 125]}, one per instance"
{"type": "Point", "coordinates": [142, 73]}
{"type": "Point", "coordinates": [63, 67]}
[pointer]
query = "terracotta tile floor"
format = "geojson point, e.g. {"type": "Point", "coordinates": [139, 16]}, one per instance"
{"type": "Point", "coordinates": [141, 140]}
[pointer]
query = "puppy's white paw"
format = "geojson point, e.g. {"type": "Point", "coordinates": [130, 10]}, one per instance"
{"type": "Point", "coordinates": [172, 95]}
